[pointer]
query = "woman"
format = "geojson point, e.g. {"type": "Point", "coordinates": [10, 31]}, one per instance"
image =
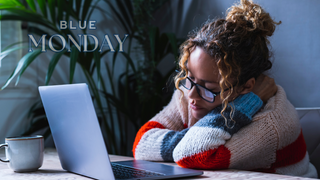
{"type": "Point", "coordinates": [220, 117]}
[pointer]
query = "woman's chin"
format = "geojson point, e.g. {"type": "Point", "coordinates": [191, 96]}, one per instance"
{"type": "Point", "coordinates": [198, 114]}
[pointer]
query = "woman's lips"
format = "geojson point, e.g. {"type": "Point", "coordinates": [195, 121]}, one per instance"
{"type": "Point", "coordinates": [195, 107]}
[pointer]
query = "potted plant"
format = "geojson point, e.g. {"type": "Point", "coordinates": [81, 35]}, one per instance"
{"type": "Point", "coordinates": [140, 87]}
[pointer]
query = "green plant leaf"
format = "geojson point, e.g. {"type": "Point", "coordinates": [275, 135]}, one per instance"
{"type": "Point", "coordinates": [17, 2]}
{"type": "Point", "coordinates": [22, 15]}
{"type": "Point", "coordinates": [54, 60]}
{"type": "Point", "coordinates": [128, 4]}
{"type": "Point", "coordinates": [162, 46]}
{"type": "Point", "coordinates": [110, 77]}
{"type": "Point", "coordinates": [114, 101]}
{"type": "Point", "coordinates": [87, 60]}
{"type": "Point", "coordinates": [92, 9]}
{"type": "Point", "coordinates": [68, 10]}
{"type": "Point", "coordinates": [13, 3]}
{"type": "Point", "coordinates": [124, 24]}
{"type": "Point", "coordinates": [14, 44]}
{"type": "Point", "coordinates": [120, 106]}
{"type": "Point", "coordinates": [28, 61]}
{"type": "Point", "coordinates": [8, 51]}
{"type": "Point", "coordinates": [40, 32]}
{"type": "Point", "coordinates": [114, 58]}
{"type": "Point", "coordinates": [153, 35]}
{"type": "Point", "coordinates": [124, 13]}
{"type": "Point", "coordinates": [32, 5]}
{"type": "Point", "coordinates": [52, 9]}
{"type": "Point", "coordinates": [73, 60]}
{"type": "Point", "coordinates": [43, 7]}
{"type": "Point", "coordinates": [94, 65]}
{"type": "Point", "coordinates": [130, 61]}
{"type": "Point", "coordinates": [33, 108]}
{"type": "Point", "coordinates": [78, 7]}
{"type": "Point", "coordinates": [97, 59]}
{"type": "Point", "coordinates": [105, 52]}
{"type": "Point", "coordinates": [121, 87]}
{"type": "Point", "coordinates": [60, 11]}
{"type": "Point", "coordinates": [36, 126]}
{"type": "Point", "coordinates": [173, 43]}
{"type": "Point", "coordinates": [25, 60]}
{"type": "Point", "coordinates": [72, 13]}
{"type": "Point", "coordinates": [7, 7]}
{"type": "Point", "coordinates": [85, 9]}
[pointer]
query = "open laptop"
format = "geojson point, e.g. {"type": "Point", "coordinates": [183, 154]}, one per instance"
{"type": "Point", "coordinates": [79, 142]}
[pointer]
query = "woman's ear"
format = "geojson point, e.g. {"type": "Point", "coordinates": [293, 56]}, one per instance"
{"type": "Point", "coordinates": [246, 88]}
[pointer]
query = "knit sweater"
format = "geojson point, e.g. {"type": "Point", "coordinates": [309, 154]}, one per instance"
{"type": "Point", "coordinates": [267, 139]}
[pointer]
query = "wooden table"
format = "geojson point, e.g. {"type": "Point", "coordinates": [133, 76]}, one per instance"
{"type": "Point", "coordinates": [51, 169]}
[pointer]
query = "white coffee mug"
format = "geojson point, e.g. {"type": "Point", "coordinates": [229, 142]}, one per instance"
{"type": "Point", "coordinates": [24, 154]}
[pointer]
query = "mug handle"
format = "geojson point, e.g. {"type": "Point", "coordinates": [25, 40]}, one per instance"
{"type": "Point", "coordinates": [1, 146]}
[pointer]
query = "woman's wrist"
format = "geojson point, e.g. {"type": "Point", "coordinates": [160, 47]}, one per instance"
{"type": "Point", "coordinates": [248, 104]}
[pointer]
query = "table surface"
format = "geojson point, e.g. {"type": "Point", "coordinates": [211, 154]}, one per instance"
{"type": "Point", "coordinates": [51, 169]}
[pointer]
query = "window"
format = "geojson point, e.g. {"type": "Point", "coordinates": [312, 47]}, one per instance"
{"type": "Point", "coordinates": [11, 32]}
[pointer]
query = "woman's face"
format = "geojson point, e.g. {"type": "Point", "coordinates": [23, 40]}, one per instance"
{"type": "Point", "coordinates": [203, 70]}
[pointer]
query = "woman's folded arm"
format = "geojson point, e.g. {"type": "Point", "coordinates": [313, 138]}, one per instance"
{"type": "Point", "coordinates": [156, 143]}
{"type": "Point", "coordinates": [203, 145]}
{"type": "Point", "coordinates": [157, 138]}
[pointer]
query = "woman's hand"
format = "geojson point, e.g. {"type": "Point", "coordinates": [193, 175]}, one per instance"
{"type": "Point", "coordinates": [265, 87]}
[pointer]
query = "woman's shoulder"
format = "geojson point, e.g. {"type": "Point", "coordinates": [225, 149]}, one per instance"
{"type": "Point", "coordinates": [278, 105]}
{"type": "Point", "coordinates": [281, 114]}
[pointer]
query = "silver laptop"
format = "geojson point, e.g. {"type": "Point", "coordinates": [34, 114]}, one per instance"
{"type": "Point", "coordinates": [79, 142]}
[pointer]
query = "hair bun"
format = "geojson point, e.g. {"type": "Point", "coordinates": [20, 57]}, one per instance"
{"type": "Point", "coordinates": [252, 17]}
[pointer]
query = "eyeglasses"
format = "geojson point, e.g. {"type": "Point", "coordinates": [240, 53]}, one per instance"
{"type": "Point", "coordinates": [203, 92]}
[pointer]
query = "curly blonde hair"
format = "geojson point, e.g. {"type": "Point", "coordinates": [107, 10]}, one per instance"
{"type": "Point", "coordinates": [238, 44]}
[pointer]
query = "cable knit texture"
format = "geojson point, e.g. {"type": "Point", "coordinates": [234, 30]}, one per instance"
{"type": "Point", "coordinates": [267, 139]}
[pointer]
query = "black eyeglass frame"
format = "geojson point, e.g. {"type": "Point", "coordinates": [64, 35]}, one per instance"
{"type": "Point", "coordinates": [198, 90]}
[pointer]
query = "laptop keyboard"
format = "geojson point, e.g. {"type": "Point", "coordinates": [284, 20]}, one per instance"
{"type": "Point", "coordinates": [126, 172]}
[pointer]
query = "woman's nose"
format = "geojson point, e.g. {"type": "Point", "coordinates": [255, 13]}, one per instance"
{"type": "Point", "coordinates": [193, 94]}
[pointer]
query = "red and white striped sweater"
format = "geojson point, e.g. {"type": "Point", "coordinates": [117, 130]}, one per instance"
{"type": "Point", "coordinates": [270, 141]}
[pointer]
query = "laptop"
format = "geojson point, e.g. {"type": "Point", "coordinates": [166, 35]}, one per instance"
{"type": "Point", "coordinates": [79, 141]}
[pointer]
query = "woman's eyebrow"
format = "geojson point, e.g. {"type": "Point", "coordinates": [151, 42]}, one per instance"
{"type": "Point", "coordinates": [203, 80]}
